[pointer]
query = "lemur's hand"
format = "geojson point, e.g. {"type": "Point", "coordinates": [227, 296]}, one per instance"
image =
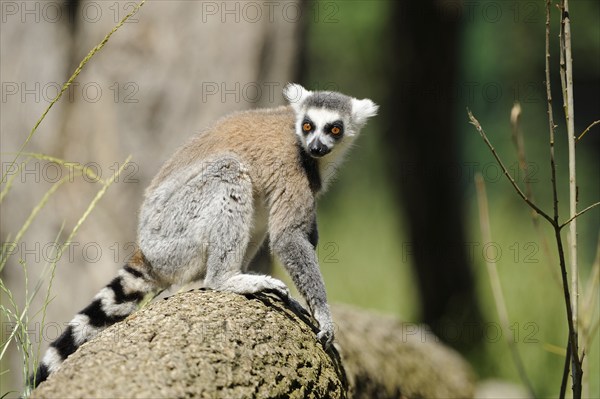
{"type": "Point", "coordinates": [326, 335]}
{"type": "Point", "coordinates": [326, 326]}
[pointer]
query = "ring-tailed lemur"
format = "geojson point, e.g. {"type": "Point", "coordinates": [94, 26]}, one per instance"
{"type": "Point", "coordinates": [212, 204]}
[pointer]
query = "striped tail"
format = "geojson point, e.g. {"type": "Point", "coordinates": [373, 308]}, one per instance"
{"type": "Point", "coordinates": [112, 304]}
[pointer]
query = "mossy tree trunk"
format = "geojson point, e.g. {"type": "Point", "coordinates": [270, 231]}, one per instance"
{"type": "Point", "coordinates": [223, 345]}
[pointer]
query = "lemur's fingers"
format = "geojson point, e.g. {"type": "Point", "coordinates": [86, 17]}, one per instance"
{"type": "Point", "coordinates": [326, 335]}
{"type": "Point", "coordinates": [323, 316]}
{"type": "Point", "coordinates": [278, 286]}
{"type": "Point", "coordinates": [251, 284]}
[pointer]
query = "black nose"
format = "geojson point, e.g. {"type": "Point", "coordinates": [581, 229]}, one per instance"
{"type": "Point", "coordinates": [319, 149]}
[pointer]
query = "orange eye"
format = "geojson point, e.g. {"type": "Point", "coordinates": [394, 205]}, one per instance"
{"type": "Point", "coordinates": [336, 130]}
{"type": "Point", "coordinates": [307, 127]}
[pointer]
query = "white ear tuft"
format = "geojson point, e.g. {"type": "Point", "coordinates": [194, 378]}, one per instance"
{"type": "Point", "coordinates": [295, 94]}
{"type": "Point", "coordinates": [363, 110]}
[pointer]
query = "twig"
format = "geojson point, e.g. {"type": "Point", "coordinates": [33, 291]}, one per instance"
{"type": "Point", "coordinates": [519, 143]}
{"type": "Point", "coordinates": [576, 364]}
{"type": "Point", "coordinates": [567, 83]}
{"type": "Point", "coordinates": [565, 376]}
{"type": "Point", "coordinates": [551, 124]}
{"type": "Point", "coordinates": [587, 129]}
{"type": "Point", "coordinates": [477, 125]}
{"type": "Point", "coordinates": [572, 349]}
{"type": "Point", "coordinates": [562, 63]}
{"type": "Point", "coordinates": [578, 214]}
{"type": "Point", "coordinates": [569, 113]}
{"type": "Point", "coordinates": [551, 128]}
{"type": "Point", "coordinates": [484, 221]}
{"type": "Point", "coordinates": [517, 137]}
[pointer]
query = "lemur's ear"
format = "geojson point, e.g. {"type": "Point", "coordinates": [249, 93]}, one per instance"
{"type": "Point", "coordinates": [295, 94]}
{"type": "Point", "coordinates": [363, 110]}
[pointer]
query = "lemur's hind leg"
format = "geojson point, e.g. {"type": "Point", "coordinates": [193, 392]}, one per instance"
{"type": "Point", "coordinates": [229, 231]}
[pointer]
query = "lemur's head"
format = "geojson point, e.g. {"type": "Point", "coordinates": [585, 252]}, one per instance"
{"type": "Point", "coordinates": [327, 122]}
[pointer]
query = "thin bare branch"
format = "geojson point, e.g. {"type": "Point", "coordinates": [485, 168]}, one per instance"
{"type": "Point", "coordinates": [570, 117]}
{"type": "Point", "coordinates": [551, 124]}
{"type": "Point", "coordinates": [566, 68]}
{"type": "Point", "coordinates": [565, 376]}
{"type": "Point", "coordinates": [517, 137]}
{"type": "Point", "coordinates": [587, 129]}
{"type": "Point", "coordinates": [562, 63]}
{"type": "Point", "coordinates": [572, 348]}
{"type": "Point", "coordinates": [579, 214]}
{"type": "Point", "coordinates": [573, 340]}
{"type": "Point", "coordinates": [486, 234]}
{"type": "Point", "coordinates": [519, 143]}
{"type": "Point", "coordinates": [575, 361]}
{"type": "Point", "coordinates": [477, 125]}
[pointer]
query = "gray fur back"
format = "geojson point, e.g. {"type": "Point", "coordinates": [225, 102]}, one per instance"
{"type": "Point", "coordinates": [187, 212]}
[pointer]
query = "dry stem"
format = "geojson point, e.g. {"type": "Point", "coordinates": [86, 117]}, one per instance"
{"type": "Point", "coordinates": [570, 116]}
{"type": "Point", "coordinates": [573, 355]}
{"type": "Point", "coordinates": [572, 347]}
{"type": "Point", "coordinates": [587, 129]}
{"type": "Point", "coordinates": [572, 218]}
{"type": "Point", "coordinates": [486, 234]}
{"type": "Point", "coordinates": [505, 171]}
{"type": "Point", "coordinates": [519, 143]}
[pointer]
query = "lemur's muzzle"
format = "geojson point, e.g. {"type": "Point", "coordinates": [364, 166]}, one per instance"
{"type": "Point", "coordinates": [318, 149]}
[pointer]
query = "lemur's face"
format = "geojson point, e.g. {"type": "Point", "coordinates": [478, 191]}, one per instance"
{"type": "Point", "coordinates": [320, 129]}
{"type": "Point", "coordinates": [327, 121]}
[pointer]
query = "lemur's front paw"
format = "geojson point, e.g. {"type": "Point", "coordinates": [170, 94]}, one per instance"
{"type": "Point", "coordinates": [326, 326]}
{"type": "Point", "coordinates": [278, 286]}
{"type": "Point", "coordinates": [325, 335]}
{"type": "Point", "coordinates": [251, 284]}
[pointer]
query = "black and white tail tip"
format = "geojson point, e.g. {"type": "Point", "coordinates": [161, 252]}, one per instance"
{"type": "Point", "coordinates": [112, 304]}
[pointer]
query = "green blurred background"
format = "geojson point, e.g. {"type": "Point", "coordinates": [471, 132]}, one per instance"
{"type": "Point", "coordinates": [363, 230]}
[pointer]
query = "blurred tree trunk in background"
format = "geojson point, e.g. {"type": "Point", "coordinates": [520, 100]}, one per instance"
{"type": "Point", "coordinates": [171, 70]}
{"type": "Point", "coordinates": [424, 158]}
